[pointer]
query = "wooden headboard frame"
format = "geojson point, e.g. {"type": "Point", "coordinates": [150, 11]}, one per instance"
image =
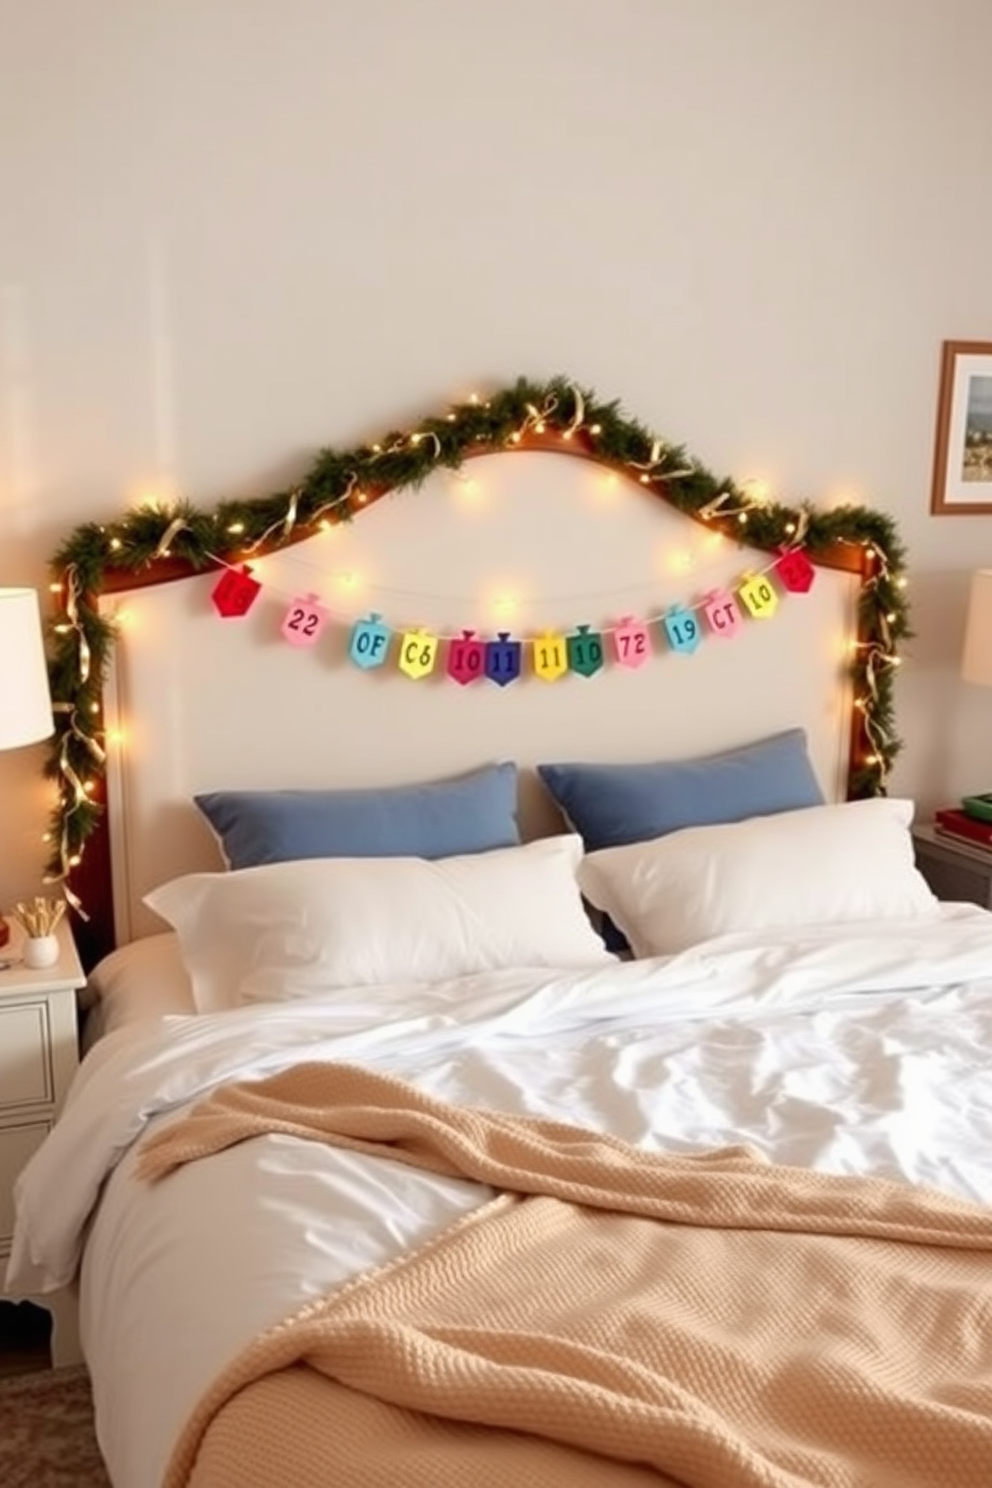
{"type": "Point", "coordinates": [851, 539]}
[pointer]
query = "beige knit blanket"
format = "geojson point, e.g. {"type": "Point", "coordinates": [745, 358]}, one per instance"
{"type": "Point", "coordinates": [615, 1318]}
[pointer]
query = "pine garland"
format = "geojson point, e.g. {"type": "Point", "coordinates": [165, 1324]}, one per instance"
{"type": "Point", "coordinates": [341, 483]}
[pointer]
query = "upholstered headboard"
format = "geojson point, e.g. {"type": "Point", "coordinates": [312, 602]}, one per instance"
{"type": "Point", "coordinates": [543, 537]}
{"type": "Point", "coordinates": [534, 546]}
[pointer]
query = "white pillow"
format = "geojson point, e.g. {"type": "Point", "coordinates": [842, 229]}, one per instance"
{"type": "Point", "coordinates": [302, 928]}
{"type": "Point", "coordinates": [144, 979]}
{"type": "Point", "coordinates": [819, 865]}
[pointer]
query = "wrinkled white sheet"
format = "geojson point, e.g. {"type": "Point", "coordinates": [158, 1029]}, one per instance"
{"type": "Point", "coordinates": [849, 1050]}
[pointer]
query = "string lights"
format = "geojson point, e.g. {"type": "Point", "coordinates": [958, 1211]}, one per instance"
{"type": "Point", "coordinates": [154, 538]}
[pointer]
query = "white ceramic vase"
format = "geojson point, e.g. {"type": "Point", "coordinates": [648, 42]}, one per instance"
{"type": "Point", "coordinates": [41, 951]}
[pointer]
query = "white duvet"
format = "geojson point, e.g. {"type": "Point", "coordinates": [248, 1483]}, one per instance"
{"type": "Point", "coordinates": [850, 1049]}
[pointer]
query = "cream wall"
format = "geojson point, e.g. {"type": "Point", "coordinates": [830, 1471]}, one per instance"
{"type": "Point", "coordinates": [234, 230]}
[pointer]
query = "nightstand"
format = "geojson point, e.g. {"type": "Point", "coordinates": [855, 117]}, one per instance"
{"type": "Point", "coordinates": [954, 870]}
{"type": "Point", "coordinates": [39, 1054]}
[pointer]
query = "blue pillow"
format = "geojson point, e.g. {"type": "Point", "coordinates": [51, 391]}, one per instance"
{"type": "Point", "coordinates": [467, 814]}
{"type": "Point", "coordinates": [612, 805]}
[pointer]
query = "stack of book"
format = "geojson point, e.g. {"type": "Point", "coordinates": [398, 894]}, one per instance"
{"type": "Point", "coordinates": [951, 821]}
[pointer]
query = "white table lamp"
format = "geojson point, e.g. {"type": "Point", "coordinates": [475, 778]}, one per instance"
{"type": "Point", "coordinates": [976, 662]}
{"type": "Point", "coordinates": [25, 701]}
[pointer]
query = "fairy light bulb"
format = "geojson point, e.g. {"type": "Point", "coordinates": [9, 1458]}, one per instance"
{"type": "Point", "coordinates": [468, 489]}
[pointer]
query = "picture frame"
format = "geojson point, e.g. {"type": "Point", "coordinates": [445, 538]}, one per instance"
{"type": "Point", "coordinates": [962, 464]}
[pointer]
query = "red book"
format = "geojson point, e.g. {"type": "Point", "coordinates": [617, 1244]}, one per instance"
{"type": "Point", "coordinates": [958, 823]}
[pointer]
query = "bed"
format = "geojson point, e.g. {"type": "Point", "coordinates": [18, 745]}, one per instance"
{"type": "Point", "coordinates": [565, 1081]}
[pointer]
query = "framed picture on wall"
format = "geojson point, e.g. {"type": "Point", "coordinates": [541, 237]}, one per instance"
{"type": "Point", "coordinates": [962, 462]}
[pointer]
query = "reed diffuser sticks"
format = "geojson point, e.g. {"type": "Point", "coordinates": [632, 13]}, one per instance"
{"type": "Point", "coordinates": [39, 916]}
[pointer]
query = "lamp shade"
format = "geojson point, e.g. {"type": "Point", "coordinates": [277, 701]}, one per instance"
{"type": "Point", "coordinates": [976, 664]}
{"type": "Point", "coordinates": [25, 702]}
